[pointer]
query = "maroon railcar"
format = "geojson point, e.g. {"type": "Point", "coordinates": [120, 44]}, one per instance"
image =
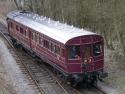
{"type": "Point", "coordinates": [77, 54]}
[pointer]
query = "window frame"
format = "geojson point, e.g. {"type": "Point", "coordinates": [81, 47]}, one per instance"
{"type": "Point", "coordinates": [46, 43]}
{"type": "Point", "coordinates": [78, 54]}
{"type": "Point", "coordinates": [21, 31]}
{"type": "Point", "coordinates": [17, 27]}
{"type": "Point", "coordinates": [33, 36]}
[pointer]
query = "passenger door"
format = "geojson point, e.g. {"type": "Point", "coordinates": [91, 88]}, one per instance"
{"type": "Point", "coordinates": [87, 58]}
{"type": "Point", "coordinates": [30, 38]}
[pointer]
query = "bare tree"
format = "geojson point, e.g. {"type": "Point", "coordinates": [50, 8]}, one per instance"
{"type": "Point", "coordinates": [16, 3]}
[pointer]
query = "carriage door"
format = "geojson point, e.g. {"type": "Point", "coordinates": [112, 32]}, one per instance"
{"type": "Point", "coordinates": [87, 57]}
{"type": "Point", "coordinates": [33, 40]}
{"type": "Point", "coordinates": [8, 25]}
{"type": "Point", "coordinates": [30, 38]}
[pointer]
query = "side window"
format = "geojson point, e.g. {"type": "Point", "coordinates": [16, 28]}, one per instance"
{"type": "Point", "coordinates": [17, 28]}
{"type": "Point", "coordinates": [62, 52]}
{"type": "Point", "coordinates": [46, 44]}
{"type": "Point", "coordinates": [24, 32]}
{"type": "Point", "coordinates": [52, 47]}
{"type": "Point", "coordinates": [33, 36]}
{"type": "Point", "coordinates": [21, 30]}
{"type": "Point", "coordinates": [40, 41]}
{"type": "Point", "coordinates": [74, 52]}
{"type": "Point", "coordinates": [37, 37]}
{"type": "Point", "coordinates": [27, 32]}
{"type": "Point", "coordinates": [57, 50]}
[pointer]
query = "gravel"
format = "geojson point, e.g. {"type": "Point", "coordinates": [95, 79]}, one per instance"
{"type": "Point", "coordinates": [11, 74]}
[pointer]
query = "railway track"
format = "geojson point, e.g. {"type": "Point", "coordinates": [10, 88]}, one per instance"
{"type": "Point", "coordinates": [41, 78]}
{"type": "Point", "coordinates": [19, 61]}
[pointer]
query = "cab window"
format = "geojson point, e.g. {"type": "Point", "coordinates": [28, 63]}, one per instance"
{"type": "Point", "coordinates": [87, 51]}
{"type": "Point", "coordinates": [74, 52]}
{"type": "Point", "coordinates": [97, 49]}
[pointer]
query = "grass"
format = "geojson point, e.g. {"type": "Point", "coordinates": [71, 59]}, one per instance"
{"type": "Point", "coordinates": [116, 80]}
{"type": "Point", "coordinates": [116, 69]}
{"type": "Point", "coordinates": [4, 91]}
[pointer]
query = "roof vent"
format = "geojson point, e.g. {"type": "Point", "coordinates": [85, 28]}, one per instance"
{"type": "Point", "coordinates": [72, 26]}
{"type": "Point", "coordinates": [34, 17]}
{"type": "Point", "coordinates": [44, 18]}
{"type": "Point", "coordinates": [56, 23]}
{"type": "Point", "coordinates": [40, 18]}
{"type": "Point", "coordinates": [23, 11]}
{"type": "Point", "coordinates": [65, 25]}
{"type": "Point", "coordinates": [49, 21]}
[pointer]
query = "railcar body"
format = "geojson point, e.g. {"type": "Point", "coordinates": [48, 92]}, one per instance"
{"type": "Point", "coordinates": [76, 53]}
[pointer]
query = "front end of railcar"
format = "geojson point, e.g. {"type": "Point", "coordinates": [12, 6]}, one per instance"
{"type": "Point", "coordinates": [86, 58]}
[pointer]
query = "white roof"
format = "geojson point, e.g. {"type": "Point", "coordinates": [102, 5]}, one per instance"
{"type": "Point", "coordinates": [54, 29]}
